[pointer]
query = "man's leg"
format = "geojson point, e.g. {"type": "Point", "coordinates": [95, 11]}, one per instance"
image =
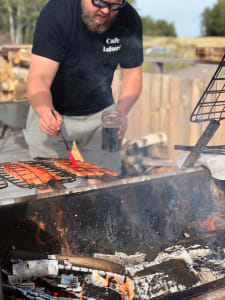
{"type": "Point", "coordinates": [87, 131]}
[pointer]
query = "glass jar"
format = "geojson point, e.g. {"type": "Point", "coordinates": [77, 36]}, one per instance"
{"type": "Point", "coordinates": [111, 121]}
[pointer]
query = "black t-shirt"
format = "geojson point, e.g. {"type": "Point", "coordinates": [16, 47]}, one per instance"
{"type": "Point", "coordinates": [87, 60]}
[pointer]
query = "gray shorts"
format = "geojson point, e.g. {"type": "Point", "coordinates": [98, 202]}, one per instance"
{"type": "Point", "coordinates": [85, 130]}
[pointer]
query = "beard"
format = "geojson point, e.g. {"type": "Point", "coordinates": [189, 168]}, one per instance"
{"type": "Point", "coordinates": [92, 25]}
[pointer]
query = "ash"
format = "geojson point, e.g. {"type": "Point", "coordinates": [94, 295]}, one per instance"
{"type": "Point", "coordinates": [176, 269]}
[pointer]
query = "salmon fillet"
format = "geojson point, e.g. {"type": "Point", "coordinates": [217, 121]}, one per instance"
{"type": "Point", "coordinates": [31, 174]}
{"type": "Point", "coordinates": [84, 169]}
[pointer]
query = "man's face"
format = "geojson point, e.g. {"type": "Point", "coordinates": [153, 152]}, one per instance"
{"type": "Point", "coordinates": [98, 19]}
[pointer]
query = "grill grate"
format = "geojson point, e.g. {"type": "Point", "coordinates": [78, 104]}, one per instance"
{"type": "Point", "coordinates": [64, 176]}
{"type": "Point", "coordinates": [211, 105]}
{"type": "Point", "coordinates": [3, 183]}
{"type": "Point", "coordinates": [84, 170]}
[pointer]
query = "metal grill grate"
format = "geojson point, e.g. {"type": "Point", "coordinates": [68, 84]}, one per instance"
{"type": "Point", "coordinates": [84, 170]}
{"type": "Point", "coordinates": [3, 183]}
{"type": "Point", "coordinates": [211, 105]}
{"type": "Point", "coordinates": [64, 176]}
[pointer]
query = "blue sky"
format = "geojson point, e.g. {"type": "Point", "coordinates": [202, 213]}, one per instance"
{"type": "Point", "coordinates": [184, 14]}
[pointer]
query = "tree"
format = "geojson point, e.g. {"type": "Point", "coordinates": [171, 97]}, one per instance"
{"type": "Point", "coordinates": [18, 17]}
{"type": "Point", "coordinates": [213, 20]}
{"type": "Point", "coordinates": [157, 28]}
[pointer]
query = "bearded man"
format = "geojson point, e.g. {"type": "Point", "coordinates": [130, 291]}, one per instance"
{"type": "Point", "coordinates": [77, 47]}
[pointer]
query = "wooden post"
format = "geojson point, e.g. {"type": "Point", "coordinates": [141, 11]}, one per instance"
{"type": "Point", "coordinates": [157, 67]}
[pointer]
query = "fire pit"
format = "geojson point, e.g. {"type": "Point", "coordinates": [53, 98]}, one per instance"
{"type": "Point", "coordinates": [173, 221]}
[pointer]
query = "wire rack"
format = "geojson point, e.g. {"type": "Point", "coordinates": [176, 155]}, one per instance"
{"type": "Point", "coordinates": [211, 105]}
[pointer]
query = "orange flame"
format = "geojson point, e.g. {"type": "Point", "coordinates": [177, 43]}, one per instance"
{"type": "Point", "coordinates": [209, 224]}
{"type": "Point", "coordinates": [82, 290]}
{"type": "Point", "coordinates": [40, 227]}
{"type": "Point", "coordinates": [127, 293]}
{"type": "Point", "coordinates": [107, 280]}
{"type": "Point", "coordinates": [61, 231]}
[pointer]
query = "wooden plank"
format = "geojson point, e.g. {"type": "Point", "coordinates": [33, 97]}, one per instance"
{"type": "Point", "coordinates": [174, 116]}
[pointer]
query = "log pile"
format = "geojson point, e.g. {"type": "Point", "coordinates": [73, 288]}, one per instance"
{"type": "Point", "coordinates": [14, 64]}
{"type": "Point", "coordinates": [146, 156]}
{"type": "Point", "coordinates": [210, 54]}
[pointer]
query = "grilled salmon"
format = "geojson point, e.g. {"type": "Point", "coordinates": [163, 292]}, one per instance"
{"type": "Point", "coordinates": [29, 173]}
{"type": "Point", "coordinates": [84, 169]}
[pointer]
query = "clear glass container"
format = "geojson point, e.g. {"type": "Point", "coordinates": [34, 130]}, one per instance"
{"type": "Point", "coordinates": [111, 121]}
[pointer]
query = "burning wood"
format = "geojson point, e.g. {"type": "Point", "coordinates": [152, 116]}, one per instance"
{"type": "Point", "coordinates": [61, 278]}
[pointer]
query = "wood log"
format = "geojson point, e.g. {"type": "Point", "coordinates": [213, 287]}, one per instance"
{"type": "Point", "coordinates": [12, 81]}
{"type": "Point", "coordinates": [20, 90]}
{"type": "Point", "coordinates": [20, 73]}
{"type": "Point", "coordinates": [14, 48]}
{"type": "Point", "coordinates": [22, 58]}
{"type": "Point", "coordinates": [210, 54]}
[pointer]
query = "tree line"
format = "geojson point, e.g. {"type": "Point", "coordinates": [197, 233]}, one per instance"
{"type": "Point", "coordinates": [18, 19]}
{"type": "Point", "coordinates": [213, 20]}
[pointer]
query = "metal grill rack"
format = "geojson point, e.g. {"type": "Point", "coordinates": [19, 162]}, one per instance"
{"type": "Point", "coordinates": [64, 176]}
{"type": "Point", "coordinates": [87, 173]}
{"type": "Point", "coordinates": [3, 183]}
{"type": "Point", "coordinates": [210, 107]}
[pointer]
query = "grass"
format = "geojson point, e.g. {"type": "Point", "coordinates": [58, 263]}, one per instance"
{"type": "Point", "coordinates": [180, 48]}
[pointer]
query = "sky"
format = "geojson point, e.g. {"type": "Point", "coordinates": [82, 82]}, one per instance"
{"type": "Point", "coordinates": [184, 14]}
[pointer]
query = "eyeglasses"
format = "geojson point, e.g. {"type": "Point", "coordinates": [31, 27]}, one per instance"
{"type": "Point", "coordinates": [111, 6]}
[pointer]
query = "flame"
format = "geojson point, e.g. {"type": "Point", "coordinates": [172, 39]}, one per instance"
{"type": "Point", "coordinates": [82, 290]}
{"type": "Point", "coordinates": [61, 231]}
{"type": "Point", "coordinates": [40, 227]}
{"type": "Point", "coordinates": [107, 280]}
{"type": "Point", "coordinates": [127, 292]}
{"type": "Point", "coordinates": [209, 224]}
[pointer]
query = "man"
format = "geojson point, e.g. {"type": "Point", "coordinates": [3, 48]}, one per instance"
{"type": "Point", "coordinates": [76, 49]}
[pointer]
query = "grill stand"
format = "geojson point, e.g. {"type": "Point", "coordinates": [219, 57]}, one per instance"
{"type": "Point", "coordinates": [201, 144]}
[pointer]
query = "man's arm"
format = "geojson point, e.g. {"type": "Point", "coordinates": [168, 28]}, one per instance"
{"type": "Point", "coordinates": [129, 92]}
{"type": "Point", "coordinates": [41, 74]}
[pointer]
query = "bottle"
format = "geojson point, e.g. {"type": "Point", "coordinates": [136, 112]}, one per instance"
{"type": "Point", "coordinates": [111, 121]}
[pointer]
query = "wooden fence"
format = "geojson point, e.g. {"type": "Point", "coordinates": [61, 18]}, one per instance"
{"type": "Point", "coordinates": [165, 105]}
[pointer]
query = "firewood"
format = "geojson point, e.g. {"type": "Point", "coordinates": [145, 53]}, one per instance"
{"type": "Point", "coordinates": [20, 90]}
{"type": "Point", "coordinates": [13, 48]}
{"type": "Point", "coordinates": [22, 59]}
{"type": "Point", "coordinates": [141, 155]}
{"type": "Point", "coordinates": [211, 54]}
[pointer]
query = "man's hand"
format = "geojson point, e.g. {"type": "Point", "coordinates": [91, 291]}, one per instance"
{"type": "Point", "coordinates": [49, 124]}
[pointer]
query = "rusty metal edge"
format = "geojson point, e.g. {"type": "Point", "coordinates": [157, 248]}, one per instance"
{"type": "Point", "coordinates": [133, 180]}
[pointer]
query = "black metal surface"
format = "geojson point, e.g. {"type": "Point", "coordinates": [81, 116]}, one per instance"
{"type": "Point", "coordinates": [201, 144]}
{"type": "Point", "coordinates": [143, 214]}
{"type": "Point", "coordinates": [65, 177]}
{"type": "Point", "coordinates": [208, 148]}
{"type": "Point", "coordinates": [211, 105]}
